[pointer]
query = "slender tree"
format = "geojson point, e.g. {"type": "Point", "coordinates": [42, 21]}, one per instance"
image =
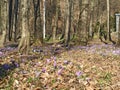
{"type": "Point", "coordinates": [108, 20]}
{"type": "Point", "coordinates": [91, 18]}
{"type": "Point", "coordinates": [118, 29]}
{"type": "Point", "coordinates": [44, 19]}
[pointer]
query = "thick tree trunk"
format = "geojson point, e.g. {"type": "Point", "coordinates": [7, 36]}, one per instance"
{"type": "Point", "coordinates": [35, 22]}
{"type": "Point", "coordinates": [82, 24]}
{"type": "Point", "coordinates": [36, 4]}
{"type": "Point", "coordinates": [4, 15]}
{"type": "Point", "coordinates": [25, 38]}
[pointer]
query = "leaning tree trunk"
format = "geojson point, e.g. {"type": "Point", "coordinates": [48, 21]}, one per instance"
{"type": "Point", "coordinates": [25, 38]}
{"type": "Point", "coordinates": [3, 18]}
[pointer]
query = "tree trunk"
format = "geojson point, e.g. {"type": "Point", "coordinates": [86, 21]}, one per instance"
{"type": "Point", "coordinates": [44, 21]}
{"type": "Point", "coordinates": [67, 27]}
{"type": "Point", "coordinates": [118, 30]}
{"type": "Point", "coordinates": [25, 38]}
{"type": "Point", "coordinates": [108, 20]}
{"type": "Point", "coordinates": [36, 22]}
{"type": "Point", "coordinates": [91, 19]}
{"type": "Point", "coordinates": [4, 15]}
{"type": "Point", "coordinates": [82, 25]}
{"type": "Point", "coordinates": [15, 20]}
{"type": "Point", "coordinates": [55, 20]}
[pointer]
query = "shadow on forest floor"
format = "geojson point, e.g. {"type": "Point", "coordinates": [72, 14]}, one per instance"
{"type": "Point", "coordinates": [6, 68]}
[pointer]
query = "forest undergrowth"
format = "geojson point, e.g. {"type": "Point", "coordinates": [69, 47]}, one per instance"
{"type": "Point", "coordinates": [92, 67]}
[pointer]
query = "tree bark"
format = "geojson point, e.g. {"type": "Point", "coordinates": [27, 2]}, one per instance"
{"type": "Point", "coordinates": [108, 20]}
{"type": "Point", "coordinates": [44, 19]}
{"type": "Point", "coordinates": [82, 23]}
{"type": "Point", "coordinates": [25, 38]}
{"type": "Point", "coordinates": [55, 20]}
{"type": "Point", "coordinates": [4, 15]}
{"type": "Point", "coordinates": [118, 30]}
{"type": "Point", "coordinates": [91, 19]}
{"type": "Point", "coordinates": [67, 27]}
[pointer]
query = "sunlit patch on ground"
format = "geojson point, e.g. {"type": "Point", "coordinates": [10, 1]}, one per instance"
{"type": "Point", "coordinates": [81, 67]}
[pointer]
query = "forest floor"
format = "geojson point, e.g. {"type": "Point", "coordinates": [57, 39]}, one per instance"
{"type": "Point", "coordinates": [91, 67]}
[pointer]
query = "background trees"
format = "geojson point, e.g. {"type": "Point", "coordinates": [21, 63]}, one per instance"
{"type": "Point", "coordinates": [63, 21]}
{"type": "Point", "coordinates": [4, 20]}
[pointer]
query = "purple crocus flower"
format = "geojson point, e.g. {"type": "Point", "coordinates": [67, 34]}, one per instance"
{"type": "Point", "coordinates": [116, 52]}
{"type": "Point", "coordinates": [78, 73]}
{"type": "Point", "coordinates": [55, 64]}
{"type": "Point", "coordinates": [16, 64]}
{"type": "Point", "coordinates": [51, 57]}
{"type": "Point", "coordinates": [66, 62]}
{"type": "Point", "coordinates": [60, 67]}
{"type": "Point", "coordinates": [43, 70]}
{"type": "Point", "coordinates": [48, 60]}
{"type": "Point", "coordinates": [54, 58]}
{"type": "Point", "coordinates": [60, 71]}
{"type": "Point", "coordinates": [23, 60]}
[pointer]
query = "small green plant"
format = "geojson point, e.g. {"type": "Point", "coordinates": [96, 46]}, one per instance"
{"type": "Point", "coordinates": [29, 80]}
{"type": "Point", "coordinates": [107, 77]}
{"type": "Point", "coordinates": [54, 81]}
